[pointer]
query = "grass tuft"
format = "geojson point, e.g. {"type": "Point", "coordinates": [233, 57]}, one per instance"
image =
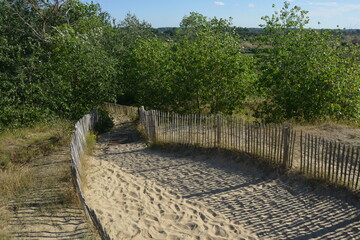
{"type": "Point", "coordinates": [19, 148]}
{"type": "Point", "coordinates": [90, 143]}
{"type": "Point", "coordinates": [15, 180]}
{"type": "Point", "coordinates": [23, 145]}
{"type": "Point", "coordinates": [84, 159]}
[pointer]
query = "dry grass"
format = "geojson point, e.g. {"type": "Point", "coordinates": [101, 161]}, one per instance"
{"type": "Point", "coordinates": [4, 219]}
{"type": "Point", "coordinates": [90, 143]}
{"type": "Point", "coordinates": [61, 178]}
{"type": "Point", "coordinates": [27, 136]}
{"type": "Point", "coordinates": [344, 133]}
{"type": "Point", "coordinates": [18, 148]}
{"type": "Point", "coordinates": [25, 144]}
{"type": "Point", "coordinates": [15, 180]}
{"type": "Point", "coordinates": [347, 132]}
{"type": "Point", "coordinates": [90, 146]}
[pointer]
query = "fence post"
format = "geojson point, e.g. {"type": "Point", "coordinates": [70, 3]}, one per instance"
{"type": "Point", "coordinates": [286, 137]}
{"type": "Point", "coordinates": [153, 125]}
{"type": "Point", "coordinates": [218, 117]}
{"type": "Point", "coordinates": [141, 114]}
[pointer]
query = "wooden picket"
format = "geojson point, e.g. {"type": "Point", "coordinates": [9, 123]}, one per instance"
{"type": "Point", "coordinates": [274, 143]}
{"type": "Point", "coordinates": [331, 161]}
{"type": "Point", "coordinates": [319, 158]}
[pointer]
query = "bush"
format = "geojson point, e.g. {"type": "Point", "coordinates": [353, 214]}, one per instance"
{"type": "Point", "coordinates": [307, 73]}
{"type": "Point", "coordinates": [104, 123]}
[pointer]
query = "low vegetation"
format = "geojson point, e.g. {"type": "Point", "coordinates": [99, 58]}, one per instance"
{"type": "Point", "coordinates": [20, 149]}
{"type": "Point", "coordinates": [104, 123]}
{"type": "Point", "coordinates": [22, 145]}
{"type": "Point", "coordinates": [84, 159]}
{"type": "Point", "coordinates": [62, 58]}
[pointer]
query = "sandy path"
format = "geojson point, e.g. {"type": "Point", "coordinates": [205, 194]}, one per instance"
{"type": "Point", "coordinates": [136, 208]}
{"type": "Point", "coordinates": [275, 208]}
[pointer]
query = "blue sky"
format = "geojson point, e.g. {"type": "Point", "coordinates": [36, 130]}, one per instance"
{"type": "Point", "coordinates": [245, 13]}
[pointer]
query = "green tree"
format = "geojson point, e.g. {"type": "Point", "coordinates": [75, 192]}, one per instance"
{"type": "Point", "coordinates": [204, 70]}
{"type": "Point", "coordinates": [307, 73]}
{"type": "Point", "coordinates": [128, 32]}
{"type": "Point", "coordinates": [52, 60]}
{"type": "Point", "coordinates": [211, 70]}
{"type": "Point", "coordinates": [20, 52]}
{"type": "Point", "coordinates": [80, 73]}
{"type": "Point", "coordinates": [150, 73]}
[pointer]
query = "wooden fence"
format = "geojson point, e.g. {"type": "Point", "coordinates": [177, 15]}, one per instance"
{"type": "Point", "coordinates": [77, 147]}
{"type": "Point", "coordinates": [319, 158]}
{"type": "Point", "coordinates": [331, 161]}
{"type": "Point", "coordinates": [117, 109]}
{"type": "Point", "coordinates": [274, 143]}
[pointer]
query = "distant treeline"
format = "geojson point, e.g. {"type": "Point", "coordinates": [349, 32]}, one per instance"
{"type": "Point", "coordinates": [249, 33]}
{"type": "Point", "coordinates": [241, 31]}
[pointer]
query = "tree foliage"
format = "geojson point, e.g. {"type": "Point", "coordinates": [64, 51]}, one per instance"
{"type": "Point", "coordinates": [204, 70]}
{"type": "Point", "coordinates": [307, 73]}
{"type": "Point", "coordinates": [130, 31]}
{"type": "Point", "coordinates": [61, 58]}
{"type": "Point", "coordinates": [52, 60]}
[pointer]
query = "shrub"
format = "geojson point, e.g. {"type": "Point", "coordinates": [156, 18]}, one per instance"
{"type": "Point", "coordinates": [104, 123]}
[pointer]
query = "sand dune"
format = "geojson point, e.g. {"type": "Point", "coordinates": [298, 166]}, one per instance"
{"type": "Point", "coordinates": [136, 208]}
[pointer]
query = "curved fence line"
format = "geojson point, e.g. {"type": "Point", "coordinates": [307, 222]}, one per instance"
{"type": "Point", "coordinates": [78, 145]}
{"type": "Point", "coordinates": [318, 158]}
{"type": "Point", "coordinates": [312, 156]}
{"type": "Point", "coordinates": [116, 109]}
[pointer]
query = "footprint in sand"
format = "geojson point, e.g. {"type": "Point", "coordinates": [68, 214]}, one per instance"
{"type": "Point", "coordinates": [231, 228]}
{"type": "Point", "coordinates": [219, 231]}
{"type": "Point", "coordinates": [177, 208]}
{"type": "Point", "coordinates": [134, 195]}
{"type": "Point", "coordinates": [173, 237]}
{"type": "Point", "coordinates": [172, 217]}
{"type": "Point", "coordinates": [202, 216]}
{"type": "Point", "coordinates": [134, 229]}
{"type": "Point", "coordinates": [157, 233]}
{"type": "Point", "coordinates": [152, 218]}
{"type": "Point", "coordinates": [191, 225]}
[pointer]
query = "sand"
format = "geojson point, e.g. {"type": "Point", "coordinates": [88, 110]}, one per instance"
{"type": "Point", "coordinates": [126, 174]}
{"type": "Point", "coordinates": [136, 208]}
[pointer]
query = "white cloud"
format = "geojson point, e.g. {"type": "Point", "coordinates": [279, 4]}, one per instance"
{"type": "Point", "coordinates": [334, 10]}
{"type": "Point", "coordinates": [349, 7]}
{"type": "Point", "coordinates": [323, 4]}
{"type": "Point", "coordinates": [219, 3]}
{"type": "Point", "coordinates": [251, 5]}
